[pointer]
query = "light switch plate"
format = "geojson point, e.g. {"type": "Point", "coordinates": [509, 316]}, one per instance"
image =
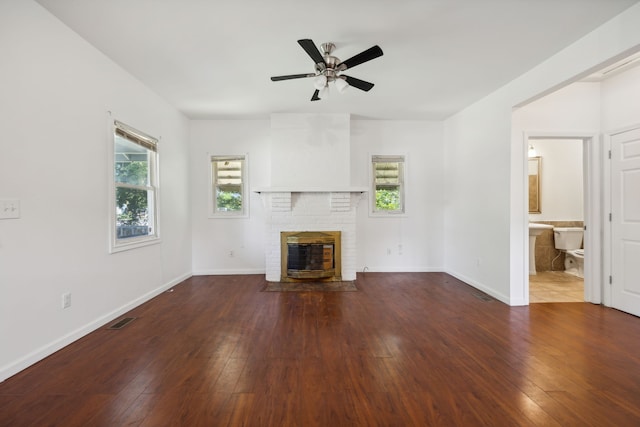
{"type": "Point", "coordinates": [9, 209]}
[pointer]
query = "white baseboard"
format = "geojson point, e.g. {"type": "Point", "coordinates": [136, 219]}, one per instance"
{"type": "Point", "coordinates": [48, 349]}
{"type": "Point", "coordinates": [497, 295]}
{"type": "Point", "coordinates": [500, 297]}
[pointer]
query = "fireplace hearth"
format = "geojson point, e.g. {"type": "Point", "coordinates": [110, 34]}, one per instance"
{"type": "Point", "coordinates": [310, 255]}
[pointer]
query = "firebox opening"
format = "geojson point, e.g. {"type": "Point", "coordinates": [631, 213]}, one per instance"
{"type": "Point", "coordinates": [310, 255]}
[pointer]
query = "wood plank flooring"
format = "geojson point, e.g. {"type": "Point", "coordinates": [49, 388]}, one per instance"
{"type": "Point", "coordinates": [409, 349]}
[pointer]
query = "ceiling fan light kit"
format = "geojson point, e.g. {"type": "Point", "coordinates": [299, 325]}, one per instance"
{"type": "Point", "coordinates": [324, 92]}
{"type": "Point", "coordinates": [320, 82]}
{"type": "Point", "coordinates": [329, 69]}
{"type": "Point", "coordinates": [341, 84]}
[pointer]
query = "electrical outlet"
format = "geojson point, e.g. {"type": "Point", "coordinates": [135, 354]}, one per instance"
{"type": "Point", "coordinates": [9, 209]}
{"type": "Point", "coordinates": [66, 300]}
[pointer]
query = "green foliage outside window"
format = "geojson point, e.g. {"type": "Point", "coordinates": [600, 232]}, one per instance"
{"type": "Point", "coordinates": [388, 199]}
{"type": "Point", "coordinates": [388, 184]}
{"type": "Point", "coordinates": [228, 185]}
{"type": "Point", "coordinates": [131, 203]}
{"type": "Point", "coordinates": [230, 201]}
{"type": "Point", "coordinates": [134, 173]}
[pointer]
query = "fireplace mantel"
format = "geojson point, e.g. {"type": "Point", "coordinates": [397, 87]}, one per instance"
{"type": "Point", "coordinates": [311, 190]}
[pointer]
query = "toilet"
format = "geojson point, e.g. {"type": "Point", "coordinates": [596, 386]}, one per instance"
{"type": "Point", "coordinates": [569, 241]}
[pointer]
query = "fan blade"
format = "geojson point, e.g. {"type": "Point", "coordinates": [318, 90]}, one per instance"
{"type": "Point", "coordinates": [357, 83]}
{"type": "Point", "coordinates": [291, 76]}
{"type": "Point", "coordinates": [367, 55]}
{"type": "Point", "coordinates": [309, 46]}
{"type": "Point", "coordinates": [315, 96]}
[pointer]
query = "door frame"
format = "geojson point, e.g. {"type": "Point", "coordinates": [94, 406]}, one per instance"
{"type": "Point", "coordinates": [607, 293]}
{"type": "Point", "coordinates": [593, 200]}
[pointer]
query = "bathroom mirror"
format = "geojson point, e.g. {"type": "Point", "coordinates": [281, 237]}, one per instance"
{"type": "Point", "coordinates": [534, 184]}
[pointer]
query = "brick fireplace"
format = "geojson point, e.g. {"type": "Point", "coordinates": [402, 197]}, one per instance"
{"type": "Point", "coordinates": [319, 214]}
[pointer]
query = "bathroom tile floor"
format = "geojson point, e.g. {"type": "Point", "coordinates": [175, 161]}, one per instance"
{"type": "Point", "coordinates": [555, 286]}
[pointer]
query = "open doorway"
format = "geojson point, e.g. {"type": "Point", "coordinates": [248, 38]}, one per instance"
{"type": "Point", "coordinates": [586, 150]}
{"type": "Point", "coordinates": [556, 177]}
{"type": "Point", "coordinates": [599, 105]}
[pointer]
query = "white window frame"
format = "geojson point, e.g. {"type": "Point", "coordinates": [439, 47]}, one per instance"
{"type": "Point", "coordinates": [244, 174]}
{"type": "Point", "coordinates": [151, 145]}
{"type": "Point", "coordinates": [382, 158]}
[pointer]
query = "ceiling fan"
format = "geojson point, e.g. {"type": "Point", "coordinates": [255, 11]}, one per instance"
{"type": "Point", "coordinates": [329, 69]}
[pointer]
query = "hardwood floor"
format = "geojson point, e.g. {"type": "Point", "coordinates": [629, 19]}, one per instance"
{"type": "Point", "coordinates": [410, 349]}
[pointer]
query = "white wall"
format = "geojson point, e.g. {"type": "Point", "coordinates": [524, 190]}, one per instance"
{"type": "Point", "coordinates": [415, 240]}
{"type": "Point", "coordinates": [412, 242]}
{"type": "Point", "coordinates": [310, 150]}
{"type": "Point", "coordinates": [213, 239]}
{"type": "Point", "coordinates": [621, 100]}
{"type": "Point", "coordinates": [476, 202]}
{"type": "Point", "coordinates": [485, 218]}
{"type": "Point", "coordinates": [56, 91]}
{"type": "Point", "coordinates": [561, 180]}
{"type": "Point", "coordinates": [574, 110]}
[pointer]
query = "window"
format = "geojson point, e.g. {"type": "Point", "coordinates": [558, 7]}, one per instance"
{"type": "Point", "coordinates": [228, 179]}
{"type": "Point", "coordinates": [135, 188]}
{"type": "Point", "coordinates": [388, 184]}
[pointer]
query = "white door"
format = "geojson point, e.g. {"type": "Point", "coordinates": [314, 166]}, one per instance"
{"type": "Point", "coordinates": [625, 221]}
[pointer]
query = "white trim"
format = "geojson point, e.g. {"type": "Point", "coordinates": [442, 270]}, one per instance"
{"type": "Point", "coordinates": [593, 199]}
{"type": "Point", "coordinates": [592, 190]}
{"type": "Point", "coordinates": [525, 227]}
{"type": "Point", "coordinates": [606, 229]}
{"type": "Point", "coordinates": [137, 242]}
{"type": "Point", "coordinates": [310, 190]}
{"type": "Point", "coordinates": [246, 194]}
{"type": "Point", "coordinates": [487, 290]}
{"type": "Point", "coordinates": [48, 349]}
{"type": "Point", "coordinates": [404, 197]}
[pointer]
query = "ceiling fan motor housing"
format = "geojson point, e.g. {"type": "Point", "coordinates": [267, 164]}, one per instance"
{"type": "Point", "coordinates": [330, 62]}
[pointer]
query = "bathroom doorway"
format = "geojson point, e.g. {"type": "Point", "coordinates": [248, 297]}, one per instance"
{"type": "Point", "coordinates": [559, 200]}
{"type": "Point", "coordinates": [595, 103]}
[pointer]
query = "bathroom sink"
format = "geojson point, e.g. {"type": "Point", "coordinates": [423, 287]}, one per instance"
{"type": "Point", "coordinates": [535, 230]}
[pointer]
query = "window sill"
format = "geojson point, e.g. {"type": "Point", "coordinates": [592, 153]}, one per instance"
{"type": "Point", "coordinates": [121, 247]}
{"type": "Point", "coordinates": [388, 215]}
{"type": "Point", "coordinates": [228, 216]}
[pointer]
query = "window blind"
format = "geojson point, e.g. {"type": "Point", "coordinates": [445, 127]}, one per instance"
{"type": "Point", "coordinates": [133, 135]}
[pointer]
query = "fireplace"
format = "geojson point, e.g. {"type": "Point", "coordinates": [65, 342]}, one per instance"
{"type": "Point", "coordinates": [297, 211]}
{"type": "Point", "coordinates": [310, 255]}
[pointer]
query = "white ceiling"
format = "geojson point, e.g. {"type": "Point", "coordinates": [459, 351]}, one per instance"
{"type": "Point", "coordinates": [213, 59]}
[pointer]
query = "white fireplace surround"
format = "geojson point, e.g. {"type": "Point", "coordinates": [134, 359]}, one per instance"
{"type": "Point", "coordinates": [311, 210]}
{"type": "Point", "coordinates": [310, 184]}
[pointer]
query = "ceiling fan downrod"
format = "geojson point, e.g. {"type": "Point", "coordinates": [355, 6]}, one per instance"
{"type": "Point", "coordinates": [330, 62]}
